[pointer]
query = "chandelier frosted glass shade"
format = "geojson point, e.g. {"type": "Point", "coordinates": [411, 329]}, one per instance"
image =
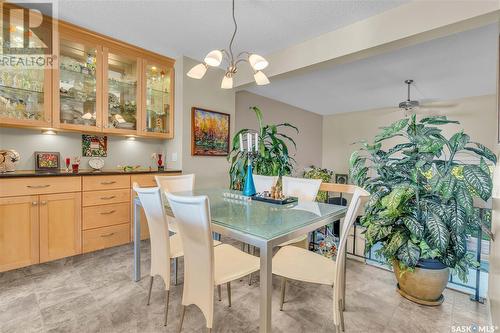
{"type": "Point", "coordinates": [227, 82]}
{"type": "Point", "coordinates": [214, 58]}
{"type": "Point", "coordinates": [260, 78]}
{"type": "Point", "coordinates": [198, 71]}
{"type": "Point", "coordinates": [257, 62]}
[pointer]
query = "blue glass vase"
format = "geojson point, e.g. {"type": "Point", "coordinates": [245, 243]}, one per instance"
{"type": "Point", "coordinates": [249, 188]}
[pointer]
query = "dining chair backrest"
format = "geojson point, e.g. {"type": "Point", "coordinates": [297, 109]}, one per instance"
{"type": "Point", "coordinates": [264, 183]}
{"type": "Point", "coordinates": [303, 188]}
{"type": "Point", "coordinates": [158, 230]}
{"type": "Point", "coordinates": [193, 218]}
{"type": "Point", "coordinates": [359, 195]}
{"type": "Point", "coordinates": [179, 183]}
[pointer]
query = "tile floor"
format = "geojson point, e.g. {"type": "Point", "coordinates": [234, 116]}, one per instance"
{"type": "Point", "coordinates": [95, 293]}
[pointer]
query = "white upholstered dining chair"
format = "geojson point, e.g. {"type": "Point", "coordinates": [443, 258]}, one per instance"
{"type": "Point", "coordinates": [178, 183]}
{"type": "Point", "coordinates": [305, 190]}
{"type": "Point", "coordinates": [205, 266]}
{"type": "Point", "coordinates": [291, 262]}
{"type": "Point", "coordinates": [164, 247]}
{"type": "Point", "coordinates": [264, 183]}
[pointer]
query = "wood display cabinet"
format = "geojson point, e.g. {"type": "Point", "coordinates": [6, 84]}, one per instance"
{"type": "Point", "coordinates": [157, 99]}
{"type": "Point", "coordinates": [77, 83]}
{"type": "Point", "coordinates": [97, 85]}
{"type": "Point", "coordinates": [25, 90]}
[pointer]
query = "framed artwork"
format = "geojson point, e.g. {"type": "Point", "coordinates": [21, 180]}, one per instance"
{"type": "Point", "coordinates": [94, 145]}
{"type": "Point", "coordinates": [341, 178]}
{"type": "Point", "coordinates": [209, 132]}
{"type": "Point", "coordinates": [47, 161]}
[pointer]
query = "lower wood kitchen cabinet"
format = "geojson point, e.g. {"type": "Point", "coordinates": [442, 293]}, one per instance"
{"type": "Point", "coordinates": [60, 225]}
{"type": "Point", "coordinates": [48, 218]}
{"type": "Point", "coordinates": [19, 241]}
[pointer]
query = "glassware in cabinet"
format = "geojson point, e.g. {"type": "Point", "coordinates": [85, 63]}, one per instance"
{"type": "Point", "coordinates": [157, 119]}
{"type": "Point", "coordinates": [79, 86]}
{"type": "Point", "coordinates": [120, 92]}
{"type": "Point", "coordinates": [25, 94]}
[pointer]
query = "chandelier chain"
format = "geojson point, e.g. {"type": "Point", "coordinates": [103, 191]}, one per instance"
{"type": "Point", "coordinates": [232, 38]}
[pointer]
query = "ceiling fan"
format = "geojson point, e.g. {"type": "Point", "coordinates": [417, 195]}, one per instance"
{"type": "Point", "coordinates": [410, 105]}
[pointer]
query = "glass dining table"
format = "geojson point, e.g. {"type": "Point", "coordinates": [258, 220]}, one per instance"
{"type": "Point", "coordinates": [263, 225]}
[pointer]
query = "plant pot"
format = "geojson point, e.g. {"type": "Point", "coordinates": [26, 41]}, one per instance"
{"type": "Point", "coordinates": [425, 284]}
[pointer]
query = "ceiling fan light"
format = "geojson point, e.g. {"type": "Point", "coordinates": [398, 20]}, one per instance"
{"type": "Point", "coordinates": [227, 82]}
{"type": "Point", "coordinates": [214, 58]}
{"type": "Point", "coordinates": [257, 62]}
{"type": "Point", "coordinates": [198, 71]}
{"type": "Point", "coordinates": [260, 78]}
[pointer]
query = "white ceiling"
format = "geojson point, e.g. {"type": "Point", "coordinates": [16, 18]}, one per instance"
{"type": "Point", "coordinates": [195, 27]}
{"type": "Point", "coordinates": [456, 66]}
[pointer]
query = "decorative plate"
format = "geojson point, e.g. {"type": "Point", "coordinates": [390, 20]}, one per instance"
{"type": "Point", "coordinates": [96, 163]}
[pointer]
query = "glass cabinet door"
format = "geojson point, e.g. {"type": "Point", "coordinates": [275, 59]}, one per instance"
{"type": "Point", "coordinates": [158, 110]}
{"type": "Point", "coordinates": [120, 99]}
{"type": "Point", "coordinates": [79, 85]}
{"type": "Point", "coordinates": [25, 87]}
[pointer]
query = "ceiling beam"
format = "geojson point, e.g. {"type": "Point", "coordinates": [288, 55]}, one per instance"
{"type": "Point", "coordinates": [406, 25]}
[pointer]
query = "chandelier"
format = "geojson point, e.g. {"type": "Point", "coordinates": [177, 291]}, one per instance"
{"type": "Point", "coordinates": [216, 57]}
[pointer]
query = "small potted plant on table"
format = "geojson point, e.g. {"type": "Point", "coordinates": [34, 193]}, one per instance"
{"type": "Point", "coordinates": [422, 201]}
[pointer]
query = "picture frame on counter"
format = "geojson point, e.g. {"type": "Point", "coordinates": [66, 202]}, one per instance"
{"type": "Point", "coordinates": [47, 161]}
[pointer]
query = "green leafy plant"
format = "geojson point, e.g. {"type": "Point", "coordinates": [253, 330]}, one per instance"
{"type": "Point", "coordinates": [319, 173]}
{"type": "Point", "coordinates": [273, 156]}
{"type": "Point", "coordinates": [421, 204]}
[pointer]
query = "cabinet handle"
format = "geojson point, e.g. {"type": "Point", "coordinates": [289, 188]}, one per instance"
{"type": "Point", "coordinates": [108, 182]}
{"type": "Point", "coordinates": [43, 202]}
{"type": "Point", "coordinates": [108, 198]}
{"type": "Point", "coordinates": [109, 212]}
{"type": "Point", "coordinates": [37, 186]}
{"type": "Point", "coordinates": [34, 203]}
{"type": "Point", "coordinates": [107, 235]}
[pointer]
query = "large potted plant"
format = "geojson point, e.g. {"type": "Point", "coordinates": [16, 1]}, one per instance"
{"type": "Point", "coordinates": [273, 156]}
{"type": "Point", "coordinates": [421, 201]}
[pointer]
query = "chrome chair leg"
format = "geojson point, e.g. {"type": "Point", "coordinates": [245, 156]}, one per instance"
{"type": "Point", "coordinates": [166, 307]}
{"type": "Point", "coordinates": [283, 287]}
{"type": "Point", "coordinates": [219, 292]}
{"type": "Point", "coordinates": [176, 262]}
{"type": "Point", "coordinates": [229, 293]}
{"type": "Point", "coordinates": [341, 312]}
{"type": "Point", "coordinates": [150, 287]}
{"type": "Point", "coordinates": [250, 279]}
{"type": "Point", "coordinates": [182, 318]}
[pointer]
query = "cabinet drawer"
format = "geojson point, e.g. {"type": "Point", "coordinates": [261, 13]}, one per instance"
{"type": "Point", "coordinates": [105, 237]}
{"type": "Point", "coordinates": [39, 185]}
{"type": "Point", "coordinates": [93, 198]}
{"type": "Point", "coordinates": [91, 183]}
{"type": "Point", "coordinates": [148, 180]}
{"type": "Point", "coordinates": [105, 215]}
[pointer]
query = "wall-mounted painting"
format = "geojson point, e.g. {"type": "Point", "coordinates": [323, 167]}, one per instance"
{"type": "Point", "coordinates": [209, 132]}
{"type": "Point", "coordinates": [94, 145]}
{"type": "Point", "coordinates": [47, 161]}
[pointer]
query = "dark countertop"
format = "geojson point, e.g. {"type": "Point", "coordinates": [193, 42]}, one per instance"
{"type": "Point", "coordinates": [62, 173]}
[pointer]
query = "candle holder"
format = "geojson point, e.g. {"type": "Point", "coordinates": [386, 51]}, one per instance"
{"type": "Point", "coordinates": [249, 187]}
{"type": "Point", "coordinates": [252, 144]}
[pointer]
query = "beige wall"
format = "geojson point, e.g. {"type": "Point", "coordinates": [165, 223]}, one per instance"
{"type": "Point", "coordinates": [207, 94]}
{"type": "Point", "coordinates": [477, 116]}
{"type": "Point", "coordinates": [494, 273]}
{"type": "Point", "coordinates": [309, 142]}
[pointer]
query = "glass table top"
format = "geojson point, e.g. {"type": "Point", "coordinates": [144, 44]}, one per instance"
{"type": "Point", "coordinates": [265, 220]}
